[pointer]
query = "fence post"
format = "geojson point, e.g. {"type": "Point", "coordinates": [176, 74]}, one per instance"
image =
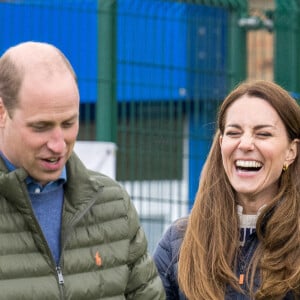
{"type": "Point", "coordinates": [237, 46]}
{"type": "Point", "coordinates": [287, 44]}
{"type": "Point", "coordinates": [106, 106]}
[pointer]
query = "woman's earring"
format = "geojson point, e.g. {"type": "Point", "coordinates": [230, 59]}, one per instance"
{"type": "Point", "coordinates": [285, 167]}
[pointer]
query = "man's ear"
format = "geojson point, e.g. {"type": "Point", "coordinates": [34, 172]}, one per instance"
{"type": "Point", "coordinates": [3, 113]}
{"type": "Point", "coordinates": [292, 152]}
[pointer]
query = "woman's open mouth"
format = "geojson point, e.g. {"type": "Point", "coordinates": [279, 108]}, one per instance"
{"type": "Point", "coordinates": [248, 165]}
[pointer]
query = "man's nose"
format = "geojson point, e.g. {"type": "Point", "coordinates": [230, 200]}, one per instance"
{"type": "Point", "coordinates": [57, 142]}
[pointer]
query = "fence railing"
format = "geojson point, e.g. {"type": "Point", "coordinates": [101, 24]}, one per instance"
{"type": "Point", "coordinates": [151, 76]}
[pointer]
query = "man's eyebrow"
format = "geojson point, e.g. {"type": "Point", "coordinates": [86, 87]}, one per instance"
{"type": "Point", "coordinates": [39, 122]}
{"type": "Point", "coordinates": [72, 118]}
{"type": "Point", "coordinates": [45, 122]}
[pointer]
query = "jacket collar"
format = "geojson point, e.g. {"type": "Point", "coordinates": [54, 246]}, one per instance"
{"type": "Point", "coordinates": [80, 188]}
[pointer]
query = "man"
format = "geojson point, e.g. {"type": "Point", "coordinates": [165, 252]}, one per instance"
{"type": "Point", "coordinates": [65, 232]}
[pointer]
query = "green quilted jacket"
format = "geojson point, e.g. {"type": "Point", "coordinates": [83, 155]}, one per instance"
{"type": "Point", "coordinates": [104, 250]}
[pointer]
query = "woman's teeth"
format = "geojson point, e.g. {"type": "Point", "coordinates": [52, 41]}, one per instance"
{"type": "Point", "coordinates": [248, 164]}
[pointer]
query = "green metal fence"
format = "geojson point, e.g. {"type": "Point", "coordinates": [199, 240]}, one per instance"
{"type": "Point", "coordinates": [287, 45]}
{"type": "Point", "coordinates": [152, 74]}
{"type": "Point", "coordinates": [170, 80]}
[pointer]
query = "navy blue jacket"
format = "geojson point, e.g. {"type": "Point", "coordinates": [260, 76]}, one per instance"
{"type": "Point", "coordinates": [166, 260]}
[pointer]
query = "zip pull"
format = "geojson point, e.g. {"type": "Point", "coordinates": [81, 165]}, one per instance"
{"type": "Point", "coordinates": [241, 279]}
{"type": "Point", "coordinates": [60, 275]}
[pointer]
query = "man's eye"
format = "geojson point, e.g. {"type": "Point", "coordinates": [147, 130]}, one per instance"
{"type": "Point", "coordinates": [68, 124]}
{"type": "Point", "coordinates": [39, 127]}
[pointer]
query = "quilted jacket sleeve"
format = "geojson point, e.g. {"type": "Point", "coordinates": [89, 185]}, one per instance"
{"type": "Point", "coordinates": [144, 282]}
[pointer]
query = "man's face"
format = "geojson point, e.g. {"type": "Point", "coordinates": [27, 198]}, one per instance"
{"type": "Point", "coordinates": [40, 134]}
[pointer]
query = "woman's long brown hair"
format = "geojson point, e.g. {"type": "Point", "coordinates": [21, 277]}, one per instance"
{"type": "Point", "coordinates": [209, 250]}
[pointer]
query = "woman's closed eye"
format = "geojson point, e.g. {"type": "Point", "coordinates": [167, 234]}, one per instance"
{"type": "Point", "coordinates": [263, 134]}
{"type": "Point", "coordinates": [233, 133]}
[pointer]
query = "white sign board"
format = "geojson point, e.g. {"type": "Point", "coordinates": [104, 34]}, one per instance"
{"type": "Point", "coordinates": [98, 156]}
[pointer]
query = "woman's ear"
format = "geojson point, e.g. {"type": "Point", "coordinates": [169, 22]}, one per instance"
{"type": "Point", "coordinates": [292, 152]}
{"type": "Point", "coordinates": [220, 140]}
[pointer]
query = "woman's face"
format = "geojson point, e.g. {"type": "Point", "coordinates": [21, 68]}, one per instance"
{"type": "Point", "coordinates": [255, 147]}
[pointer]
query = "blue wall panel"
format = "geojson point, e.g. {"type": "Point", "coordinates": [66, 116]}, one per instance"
{"type": "Point", "coordinates": [170, 51]}
{"type": "Point", "coordinates": [70, 25]}
{"type": "Point", "coordinates": [152, 50]}
{"type": "Point", "coordinates": [165, 50]}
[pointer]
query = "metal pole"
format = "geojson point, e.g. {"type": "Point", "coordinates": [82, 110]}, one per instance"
{"type": "Point", "coordinates": [287, 44]}
{"type": "Point", "coordinates": [106, 106]}
{"type": "Point", "coordinates": [237, 46]}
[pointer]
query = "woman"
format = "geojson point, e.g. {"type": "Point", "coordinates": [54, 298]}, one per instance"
{"type": "Point", "coordinates": [242, 238]}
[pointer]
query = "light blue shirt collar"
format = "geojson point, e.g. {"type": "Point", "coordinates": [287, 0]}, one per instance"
{"type": "Point", "coordinates": [32, 185]}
